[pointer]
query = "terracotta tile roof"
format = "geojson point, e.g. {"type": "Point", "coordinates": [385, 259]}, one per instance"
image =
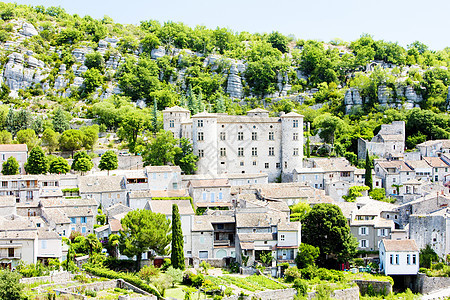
{"type": "Point", "coordinates": [101, 184]}
{"type": "Point", "coordinates": [247, 245]}
{"type": "Point", "coordinates": [170, 193]}
{"type": "Point", "coordinates": [288, 226]}
{"type": "Point", "coordinates": [7, 201]}
{"type": "Point", "coordinates": [400, 245]}
{"type": "Point", "coordinates": [251, 237]}
{"type": "Point", "coordinates": [56, 215]}
{"type": "Point", "coordinates": [201, 183]}
{"type": "Point", "coordinates": [436, 162]}
{"type": "Point", "coordinates": [117, 209]}
{"type": "Point", "coordinates": [418, 164]}
{"type": "Point", "coordinates": [258, 110]}
{"type": "Point", "coordinates": [291, 114]}
{"type": "Point", "coordinates": [175, 108]}
{"type": "Point", "coordinates": [115, 225]}
{"type": "Point", "coordinates": [397, 164]}
{"type": "Point", "coordinates": [165, 207]}
{"type": "Point", "coordinates": [13, 148]}
{"type": "Point", "coordinates": [162, 169]}
{"type": "Point", "coordinates": [44, 234]}
{"type": "Point", "coordinates": [202, 223]}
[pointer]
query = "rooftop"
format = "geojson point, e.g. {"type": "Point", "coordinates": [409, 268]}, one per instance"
{"type": "Point", "coordinates": [165, 207]}
{"type": "Point", "coordinates": [203, 183]}
{"type": "Point", "coordinates": [13, 148]}
{"type": "Point", "coordinates": [400, 245]}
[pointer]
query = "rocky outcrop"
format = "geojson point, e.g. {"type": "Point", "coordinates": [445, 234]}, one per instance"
{"type": "Point", "coordinates": [234, 83]}
{"type": "Point", "coordinates": [28, 30]}
{"type": "Point", "coordinates": [352, 99]}
{"type": "Point", "coordinates": [158, 53]}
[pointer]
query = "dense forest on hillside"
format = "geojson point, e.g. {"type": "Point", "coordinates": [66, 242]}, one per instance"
{"type": "Point", "coordinates": [58, 68]}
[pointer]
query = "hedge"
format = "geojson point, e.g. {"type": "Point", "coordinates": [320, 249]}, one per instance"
{"type": "Point", "coordinates": [132, 279]}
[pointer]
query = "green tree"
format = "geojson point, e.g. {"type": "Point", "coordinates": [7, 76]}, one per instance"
{"type": "Point", "coordinates": [11, 122]}
{"type": "Point", "coordinates": [143, 231]}
{"type": "Point", "coordinates": [133, 125]}
{"type": "Point", "coordinates": [306, 256]}
{"type": "Point", "coordinates": [90, 136]}
{"type": "Point", "coordinates": [50, 139]}
{"type": "Point", "coordinates": [82, 162]}
{"type": "Point", "coordinates": [59, 165]}
{"type": "Point", "coordinates": [299, 211]}
{"type": "Point", "coordinates": [175, 275]}
{"type": "Point", "coordinates": [92, 80]}
{"type": "Point", "coordinates": [28, 137]}
{"type": "Point", "coordinates": [93, 245]}
{"type": "Point", "coordinates": [330, 126]}
{"type": "Point", "coordinates": [278, 41]}
{"type": "Point", "coordinates": [368, 174]}
{"type": "Point", "coordinates": [427, 256]}
{"type": "Point", "coordinates": [354, 192]}
{"type": "Point", "coordinates": [161, 149]}
{"type": "Point", "coordinates": [108, 161]}
{"type": "Point", "coordinates": [10, 166]}
{"type": "Point", "coordinates": [60, 122]}
{"type": "Point", "coordinates": [5, 137]}
{"type": "Point", "coordinates": [177, 251]}
{"type": "Point", "coordinates": [10, 286]}
{"type": "Point", "coordinates": [186, 158]}
{"type": "Point", "coordinates": [326, 227]}
{"type": "Point", "coordinates": [37, 163]}
{"type": "Point", "coordinates": [71, 140]}
{"type": "Point", "coordinates": [94, 60]}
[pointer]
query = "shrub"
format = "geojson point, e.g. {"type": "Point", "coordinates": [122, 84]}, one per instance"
{"type": "Point", "coordinates": [308, 272]}
{"type": "Point", "coordinates": [197, 280]}
{"type": "Point", "coordinates": [90, 293]}
{"type": "Point", "coordinates": [167, 263]}
{"type": "Point", "coordinates": [132, 279]}
{"type": "Point", "coordinates": [291, 274]}
{"type": "Point", "coordinates": [301, 286]}
{"type": "Point", "coordinates": [148, 272]}
{"type": "Point", "coordinates": [437, 266]}
{"type": "Point", "coordinates": [187, 277]}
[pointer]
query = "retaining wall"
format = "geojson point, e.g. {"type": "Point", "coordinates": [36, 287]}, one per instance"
{"type": "Point", "coordinates": [59, 277]}
{"type": "Point", "coordinates": [379, 287]}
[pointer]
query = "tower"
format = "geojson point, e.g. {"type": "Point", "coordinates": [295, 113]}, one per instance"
{"type": "Point", "coordinates": [172, 118]}
{"type": "Point", "coordinates": [204, 141]}
{"type": "Point", "coordinates": [291, 144]}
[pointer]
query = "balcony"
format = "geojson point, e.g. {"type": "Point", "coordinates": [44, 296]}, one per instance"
{"type": "Point", "coordinates": [223, 243]}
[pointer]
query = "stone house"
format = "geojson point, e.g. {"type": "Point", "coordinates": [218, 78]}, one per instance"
{"type": "Point", "coordinates": [202, 237]}
{"type": "Point", "coordinates": [369, 233]}
{"type": "Point", "coordinates": [399, 257]}
{"type": "Point", "coordinates": [434, 148]}
{"type": "Point", "coordinates": [49, 245]}
{"type": "Point", "coordinates": [421, 168]}
{"type": "Point", "coordinates": [18, 241]}
{"type": "Point", "coordinates": [440, 168]}
{"type": "Point", "coordinates": [18, 151]}
{"type": "Point", "coordinates": [423, 206]}
{"type": "Point", "coordinates": [255, 143]}
{"type": "Point", "coordinates": [186, 215]}
{"type": "Point", "coordinates": [210, 192]}
{"type": "Point", "coordinates": [388, 143]}
{"type": "Point", "coordinates": [393, 173]}
{"type": "Point", "coordinates": [105, 190]}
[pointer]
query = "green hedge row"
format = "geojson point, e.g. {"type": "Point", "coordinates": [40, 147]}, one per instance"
{"type": "Point", "coordinates": [132, 279]}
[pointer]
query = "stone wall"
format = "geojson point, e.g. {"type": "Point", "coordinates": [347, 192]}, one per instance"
{"type": "Point", "coordinates": [426, 285]}
{"type": "Point", "coordinates": [345, 294]}
{"type": "Point", "coordinates": [267, 295]}
{"type": "Point", "coordinates": [59, 277]}
{"type": "Point", "coordinates": [379, 287]}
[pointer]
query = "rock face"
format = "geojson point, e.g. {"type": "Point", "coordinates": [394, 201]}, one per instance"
{"type": "Point", "coordinates": [20, 73]}
{"type": "Point", "coordinates": [234, 84]}
{"type": "Point", "coordinates": [28, 30]}
{"type": "Point", "coordinates": [352, 99]}
{"type": "Point", "coordinates": [158, 53]}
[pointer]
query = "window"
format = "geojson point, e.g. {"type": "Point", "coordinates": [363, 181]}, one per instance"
{"type": "Point", "coordinates": [241, 163]}
{"type": "Point", "coordinates": [254, 136]}
{"type": "Point", "coordinates": [199, 123]}
{"type": "Point", "coordinates": [220, 195]}
{"type": "Point", "coordinates": [271, 136]}
{"type": "Point", "coordinates": [408, 259]}
{"type": "Point", "coordinates": [240, 136]}
{"type": "Point", "coordinates": [266, 165]}
{"type": "Point", "coordinates": [278, 166]}
{"type": "Point", "coordinates": [222, 136]}
{"type": "Point", "coordinates": [202, 240]}
{"type": "Point", "coordinates": [73, 220]}
{"type": "Point", "coordinates": [10, 252]}
{"type": "Point", "coordinates": [396, 259]}
{"type": "Point", "coordinates": [254, 163]}
{"type": "Point", "coordinates": [271, 151]}
{"type": "Point", "coordinates": [295, 136]}
{"type": "Point", "coordinates": [223, 152]}
{"type": "Point", "coordinates": [363, 231]}
{"type": "Point", "coordinates": [254, 151]}
{"type": "Point", "coordinates": [282, 237]}
{"type": "Point", "coordinates": [363, 243]}
{"type": "Point", "coordinates": [200, 136]}
{"type": "Point", "coordinates": [83, 220]}
{"type": "Point", "coordinates": [175, 185]}
{"type": "Point", "coordinates": [201, 153]}
{"type": "Point", "coordinates": [44, 244]}
{"type": "Point", "coordinates": [295, 123]}
{"type": "Point", "coordinates": [204, 196]}
{"type": "Point", "coordinates": [4, 184]}
{"type": "Point", "coordinates": [83, 229]}
{"type": "Point", "coordinates": [295, 152]}
{"type": "Point", "coordinates": [413, 259]}
{"type": "Point", "coordinates": [391, 259]}
{"type": "Point", "coordinates": [171, 123]}
{"type": "Point", "coordinates": [240, 151]}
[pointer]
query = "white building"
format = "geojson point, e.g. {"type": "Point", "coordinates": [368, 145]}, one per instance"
{"type": "Point", "coordinates": [255, 143]}
{"type": "Point", "coordinates": [18, 151]}
{"type": "Point", "coordinates": [399, 257]}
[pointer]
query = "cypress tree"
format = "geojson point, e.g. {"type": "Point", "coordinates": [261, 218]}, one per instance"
{"type": "Point", "coordinates": [368, 175]}
{"type": "Point", "coordinates": [155, 116]}
{"type": "Point", "coordinates": [177, 255]}
{"type": "Point", "coordinates": [308, 147]}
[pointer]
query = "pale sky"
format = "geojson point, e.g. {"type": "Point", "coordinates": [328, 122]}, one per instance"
{"type": "Point", "coordinates": [402, 21]}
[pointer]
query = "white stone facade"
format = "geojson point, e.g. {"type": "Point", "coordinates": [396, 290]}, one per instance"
{"type": "Point", "coordinates": [255, 143]}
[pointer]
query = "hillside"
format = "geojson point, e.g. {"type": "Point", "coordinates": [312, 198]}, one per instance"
{"type": "Point", "coordinates": [104, 71]}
